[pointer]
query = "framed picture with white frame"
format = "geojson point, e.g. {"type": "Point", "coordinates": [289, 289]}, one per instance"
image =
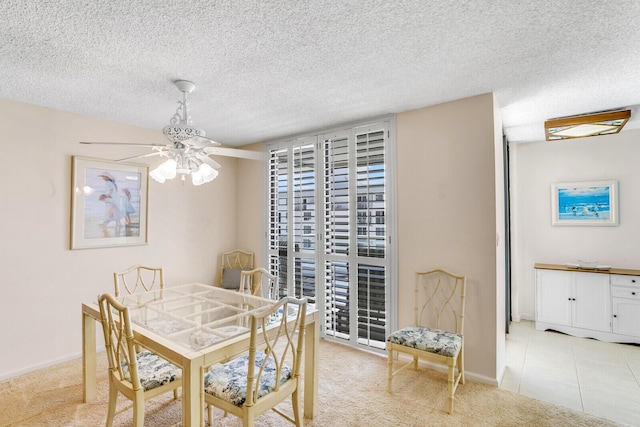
{"type": "Point", "coordinates": [589, 203]}
{"type": "Point", "coordinates": [108, 203]}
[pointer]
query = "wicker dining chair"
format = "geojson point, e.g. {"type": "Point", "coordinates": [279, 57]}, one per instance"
{"type": "Point", "coordinates": [231, 265]}
{"type": "Point", "coordinates": [437, 333]}
{"type": "Point", "coordinates": [256, 382]}
{"type": "Point", "coordinates": [139, 376]}
{"type": "Point", "coordinates": [259, 282]}
{"type": "Point", "coordinates": [138, 278]}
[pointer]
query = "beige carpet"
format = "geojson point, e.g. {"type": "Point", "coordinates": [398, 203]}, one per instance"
{"type": "Point", "coordinates": [351, 393]}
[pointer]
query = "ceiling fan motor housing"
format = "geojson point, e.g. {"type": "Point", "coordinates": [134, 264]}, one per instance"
{"type": "Point", "coordinates": [178, 133]}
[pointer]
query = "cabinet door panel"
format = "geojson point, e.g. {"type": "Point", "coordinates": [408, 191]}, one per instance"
{"type": "Point", "coordinates": [553, 291]}
{"type": "Point", "coordinates": [591, 307]}
{"type": "Point", "coordinates": [627, 316]}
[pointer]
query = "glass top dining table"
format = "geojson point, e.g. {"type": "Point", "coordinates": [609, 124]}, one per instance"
{"type": "Point", "coordinates": [195, 326]}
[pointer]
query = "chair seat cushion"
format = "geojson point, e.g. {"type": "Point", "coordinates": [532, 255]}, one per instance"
{"type": "Point", "coordinates": [231, 277]}
{"type": "Point", "coordinates": [427, 339]}
{"type": "Point", "coordinates": [153, 370]}
{"type": "Point", "coordinates": [229, 381]}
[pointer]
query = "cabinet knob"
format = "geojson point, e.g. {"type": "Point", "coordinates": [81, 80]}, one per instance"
{"type": "Point", "coordinates": [615, 315]}
{"type": "Point", "coordinates": [633, 293]}
{"type": "Point", "coordinates": [633, 280]}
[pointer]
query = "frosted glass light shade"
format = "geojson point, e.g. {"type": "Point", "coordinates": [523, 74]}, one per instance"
{"type": "Point", "coordinates": [157, 176]}
{"type": "Point", "coordinates": [196, 178]}
{"type": "Point", "coordinates": [168, 169]}
{"type": "Point", "coordinates": [208, 173]}
{"type": "Point", "coordinates": [204, 174]}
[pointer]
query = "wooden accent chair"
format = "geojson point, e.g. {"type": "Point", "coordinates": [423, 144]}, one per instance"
{"type": "Point", "coordinates": [253, 383]}
{"type": "Point", "coordinates": [139, 376]}
{"type": "Point", "coordinates": [259, 282]}
{"type": "Point", "coordinates": [231, 265]}
{"type": "Point", "coordinates": [138, 278]}
{"type": "Point", "coordinates": [437, 333]}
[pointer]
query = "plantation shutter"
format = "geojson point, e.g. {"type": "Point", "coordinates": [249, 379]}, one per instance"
{"type": "Point", "coordinates": [328, 229]}
{"type": "Point", "coordinates": [337, 242]}
{"type": "Point", "coordinates": [372, 235]}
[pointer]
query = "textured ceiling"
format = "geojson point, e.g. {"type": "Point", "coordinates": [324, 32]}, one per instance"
{"type": "Point", "coordinates": [267, 69]}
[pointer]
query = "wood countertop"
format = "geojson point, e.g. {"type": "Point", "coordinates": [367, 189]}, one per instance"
{"type": "Point", "coordinates": [563, 267]}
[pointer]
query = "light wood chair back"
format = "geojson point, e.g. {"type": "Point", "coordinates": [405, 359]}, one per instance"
{"type": "Point", "coordinates": [259, 282]}
{"type": "Point", "coordinates": [246, 386]}
{"type": "Point", "coordinates": [138, 278]}
{"type": "Point", "coordinates": [437, 333]}
{"type": "Point", "coordinates": [235, 260]}
{"type": "Point", "coordinates": [439, 301]}
{"type": "Point", "coordinates": [139, 376]}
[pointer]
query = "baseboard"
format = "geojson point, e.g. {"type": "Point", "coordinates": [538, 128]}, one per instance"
{"type": "Point", "coordinates": [8, 375]}
{"type": "Point", "coordinates": [36, 367]}
{"type": "Point", "coordinates": [468, 375]}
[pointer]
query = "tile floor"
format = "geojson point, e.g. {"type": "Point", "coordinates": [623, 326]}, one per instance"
{"type": "Point", "coordinates": [587, 375]}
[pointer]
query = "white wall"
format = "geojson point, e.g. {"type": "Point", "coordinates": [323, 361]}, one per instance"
{"type": "Point", "coordinates": [445, 158]}
{"type": "Point", "coordinates": [447, 216]}
{"type": "Point", "coordinates": [43, 283]}
{"type": "Point", "coordinates": [534, 167]}
{"type": "Point", "coordinates": [251, 206]}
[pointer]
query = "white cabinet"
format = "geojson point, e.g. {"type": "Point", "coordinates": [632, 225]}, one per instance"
{"type": "Point", "coordinates": [598, 304]}
{"type": "Point", "coordinates": [625, 293]}
{"type": "Point", "coordinates": [553, 297]}
{"type": "Point", "coordinates": [573, 299]}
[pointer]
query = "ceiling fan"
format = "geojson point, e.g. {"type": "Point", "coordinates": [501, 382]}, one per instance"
{"type": "Point", "coordinates": [188, 150]}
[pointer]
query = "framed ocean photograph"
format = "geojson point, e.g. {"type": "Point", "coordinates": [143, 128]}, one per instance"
{"type": "Point", "coordinates": [108, 203]}
{"type": "Point", "coordinates": [585, 203]}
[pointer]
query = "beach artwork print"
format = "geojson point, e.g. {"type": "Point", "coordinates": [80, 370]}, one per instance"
{"type": "Point", "coordinates": [109, 204]}
{"type": "Point", "coordinates": [585, 203]}
{"type": "Point", "coordinates": [112, 204]}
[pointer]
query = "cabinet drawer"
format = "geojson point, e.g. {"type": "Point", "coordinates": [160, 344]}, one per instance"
{"type": "Point", "coordinates": [623, 280]}
{"type": "Point", "coordinates": [620, 292]}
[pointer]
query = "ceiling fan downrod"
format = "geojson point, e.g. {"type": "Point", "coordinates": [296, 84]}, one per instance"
{"type": "Point", "coordinates": [181, 126]}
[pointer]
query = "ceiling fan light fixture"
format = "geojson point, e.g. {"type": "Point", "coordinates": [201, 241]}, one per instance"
{"type": "Point", "coordinates": [207, 173]}
{"type": "Point", "coordinates": [166, 170]}
{"type": "Point", "coordinates": [157, 176]}
{"type": "Point", "coordinates": [603, 123]}
{"type": "Point", "coordinates": [204, 174]}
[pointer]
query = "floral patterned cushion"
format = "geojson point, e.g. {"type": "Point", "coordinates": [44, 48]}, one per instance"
{"type": "Point", "coordinates": [427, 339]}
{"type": "Point", "coordinates": [229, 381]}
{"type": "Point", "coordinates": [153, 370]}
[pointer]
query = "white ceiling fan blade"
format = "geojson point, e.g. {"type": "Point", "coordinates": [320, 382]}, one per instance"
{"type": "Point", "coordinates": [140, 156]}
{"type": "Point", "coordinates": [133, 144]}
{"type": "Point", "coordinates": [236, 152]}
{"type": "Point", "coordinates": [208, 160]}
{"type": "Point", "coordinates": [200, 142]}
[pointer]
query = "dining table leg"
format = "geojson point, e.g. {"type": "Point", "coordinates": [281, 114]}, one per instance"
{"type": "Point", "coordinates": [192, 389]}
{"type": "Point", "coordinates": [311, 358]}
{"type": "Point", "coordinates": [89, 374]}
